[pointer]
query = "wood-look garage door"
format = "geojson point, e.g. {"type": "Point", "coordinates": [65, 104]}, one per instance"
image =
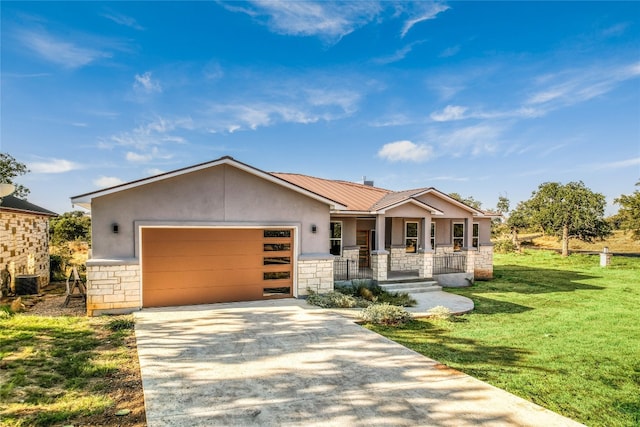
{"type": "Point", "coordinates": [182, 266]}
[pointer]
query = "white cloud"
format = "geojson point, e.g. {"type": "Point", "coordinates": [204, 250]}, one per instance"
{"type": "Point", "coordinates": [59, 51]}
{"type": "Point", "coordinates": [153, 133]}
{"type": "Point", "coordinates": [470, 140]}
{"type": "Point", "coordinates": [328, 20]}
{"type": "Point", "coordinates": [450, 112]}
{"type": "Point", "coordinates": [332, 20]}
{"type": "Point", "coordinates": [456, 112]}
{"type": "Point", "coordinates": [146, 156]}
{"type": "Point", "coordinates": [125, 20]}
{"type": "Point", "coordinates": [425, 11]}
{"type": "Point", "coordinates": [574, 86]}
{"type": "Point", "coordinates": [392, 120]}
{"type": "Point", "coordinates": [398, 55]}
{"type": "Point", "coordinates": [621, 164]}
{"type": "Point", "coordinates": [53, 166]}
{"type": "Point", "coordinates": [107, 181]}
{"type": "Point", "coordinates": [144, 83]}
{"type": "Point", "coordinates": [155, 171]}
{"type": "Point", "coordinates": [450, 51]}
{"type": "Point", "coordinates": [406, 151]}
{"type": "Point", "coordinates": [291, 106]}
{"type": "Point", "coordinates": [138, 157]}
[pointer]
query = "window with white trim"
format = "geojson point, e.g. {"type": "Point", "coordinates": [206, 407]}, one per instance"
{"type": "Point", "coordinates": [458, 236]}
{"type": "Point", "coordinates": [335, 238]}
{"type": "Point", "coordinates": [433, 236]}
{"type": "Point", "coordinates": [475, 236]}
{"type": "Point", "coordinates": [411, 236]}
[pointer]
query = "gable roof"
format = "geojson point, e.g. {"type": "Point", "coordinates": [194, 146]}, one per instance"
{"type": "Point", "coordinates": [355, 197]}
{"type": "Point", "coordinates": [19, 205]}
{"type": "Point", "coordinates": [341, 196]}
{"type": "Point", "coordinates": [84, 200]}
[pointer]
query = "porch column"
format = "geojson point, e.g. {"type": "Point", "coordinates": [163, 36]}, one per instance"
{"type": "Point", "coordinates": [426, 234]}
{"type": "Point", "coordinates": [379, 257]}
{"type": "Point", "coordinates": [425, 263]}
{"type": "Point", "coordinates": [468, 233]}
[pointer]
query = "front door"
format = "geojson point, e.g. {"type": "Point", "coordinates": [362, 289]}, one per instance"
{"type": "Point", "coordinates": [362, 240]}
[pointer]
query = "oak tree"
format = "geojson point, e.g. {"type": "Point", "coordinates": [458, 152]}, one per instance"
{"type": "Point", "coordinates": [570, 211]}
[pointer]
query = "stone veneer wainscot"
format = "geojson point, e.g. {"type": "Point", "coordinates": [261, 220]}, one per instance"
{"type": "Point", "coordinates": [113, 286]}
{"type": "Point", "coordinates": [315, 272]}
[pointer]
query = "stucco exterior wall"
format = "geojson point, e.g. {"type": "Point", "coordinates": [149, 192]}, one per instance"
{"type": "Point", "coordinates": [24, 245]}
{"type": "Point", "coordinates": [450, 210]}
{"type": "Point", "coordinates": [217, 195]}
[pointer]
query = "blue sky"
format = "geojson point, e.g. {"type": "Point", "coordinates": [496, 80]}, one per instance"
{"type": "Point", "coordinates": [480, 98]}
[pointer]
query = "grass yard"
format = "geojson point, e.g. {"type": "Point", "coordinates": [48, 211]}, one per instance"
{"type": "Point", "coordinates": [68, 371]}
{"type": "Point", "coordinates": [562, 333]}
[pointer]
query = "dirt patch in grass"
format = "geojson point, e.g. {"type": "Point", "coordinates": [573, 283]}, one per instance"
{"type": "Point", "coordinates": [59, 367]}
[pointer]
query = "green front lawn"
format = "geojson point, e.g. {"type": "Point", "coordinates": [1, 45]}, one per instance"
{"type": "Point", "coordinates": [67, 370]}
{"type": "Point", "coordinates": [563, 333]}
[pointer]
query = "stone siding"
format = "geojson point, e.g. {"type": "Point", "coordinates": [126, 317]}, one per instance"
{"type": "Point", "coordinates": [24, 245]}
{"type": "Point", "coordinates": [315, 274]}
{"type": "Point", "coordinates": [484, 263]}
{"type": "Point", "coordinates": [426, 266]}
{"type": "Point", "coordinates": [401, 260]}
{"type": "Point", "coordinates": [352, 254]}
{"type": "Point", "coordinates": [379, 265]}
{"type": "Point", "coordinates": [113, 288]}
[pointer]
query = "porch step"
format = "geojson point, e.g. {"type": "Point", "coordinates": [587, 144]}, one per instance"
{"type": "Point", "coordinates": [411, 287]}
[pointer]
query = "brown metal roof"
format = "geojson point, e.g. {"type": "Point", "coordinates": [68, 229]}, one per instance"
{"type": "Point", "coordinates": [356, 197]}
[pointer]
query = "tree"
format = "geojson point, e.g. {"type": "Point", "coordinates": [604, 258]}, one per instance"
{"type": "Point", "coordinates": [629, 214]}
{"type": "Point", "coordinates": [567, 211]}
{"type": "Point", "coordinates": [70, 226]}
{"type": "Point", "coordinates": [11, 168]}
{"type": "Point", "coordinates": [503, 204]}
{"type": "Point", "coordinates": [518, 220]}
{"type": "Point", "coordinates": [470, 201]}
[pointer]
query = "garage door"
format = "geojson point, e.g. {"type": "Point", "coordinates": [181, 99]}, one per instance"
{"type": "Point", "coordinates": [183, 266]}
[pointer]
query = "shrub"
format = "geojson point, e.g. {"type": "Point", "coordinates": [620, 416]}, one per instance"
{"type": "Point", "coordinates": [368, 291]}
{"type": "Point", "coordinates": [386, 314]}
{"type": "Point", "coordinates": [401, 299]}
{"type": "Point", "coordinates": [504, 246]}
{"type": "Point", "coordinates": [332, 300]}
{"type": "Point", "coordinates": [440, 312]}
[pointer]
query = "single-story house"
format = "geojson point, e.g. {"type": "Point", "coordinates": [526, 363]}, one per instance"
{"type": "Point", "coordinates": [24, 239]}
{"type": "Point", "coordinates": [226, 231]}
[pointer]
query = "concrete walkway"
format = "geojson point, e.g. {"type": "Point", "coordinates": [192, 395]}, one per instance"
{"type": "Point", "coordinates": [285, 363]}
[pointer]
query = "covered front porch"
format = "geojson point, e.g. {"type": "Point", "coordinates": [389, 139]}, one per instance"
{"type": "Point", "coordinates": [412, 239]}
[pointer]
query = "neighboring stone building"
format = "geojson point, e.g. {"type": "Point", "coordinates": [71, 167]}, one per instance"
{"type": "Point", "coordinates": [24, 239]}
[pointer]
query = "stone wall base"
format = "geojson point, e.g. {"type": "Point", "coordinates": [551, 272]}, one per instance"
{"type": "Point", "coordinates": [113, 288]}
{"type": "Point", "coordinates": [315, 274]}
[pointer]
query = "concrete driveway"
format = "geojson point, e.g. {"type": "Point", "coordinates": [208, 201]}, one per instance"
{"type": "Point", "coordinates": [286, 363]}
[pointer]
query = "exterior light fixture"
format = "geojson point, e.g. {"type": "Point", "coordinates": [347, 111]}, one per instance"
{"type": "Point", "coordinates": [115, 228]}
{"type": "Point", "coordinates": [314, 228]}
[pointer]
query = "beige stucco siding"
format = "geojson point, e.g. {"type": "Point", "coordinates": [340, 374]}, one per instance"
{"type": "Point", "coordinates": [213, 196]}
{"type": "Point", "coordinates": [449, 210]}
